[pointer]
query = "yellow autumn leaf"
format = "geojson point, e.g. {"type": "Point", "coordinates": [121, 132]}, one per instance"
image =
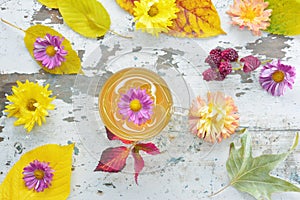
{"type": "Point", "coordinates": [72, 64]}
{"type": "Point", "coordinates": [60, 160]}
{"type": "Point", "coordinates": [49, 3]}
{"type": "Point", "coordinates": [196, 19]}
{"type": "Point", "coordinates": [88, 18]}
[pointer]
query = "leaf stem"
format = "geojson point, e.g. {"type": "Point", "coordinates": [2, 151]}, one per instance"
{"type": "Point", "coordinates": [266, 61]}
{"type": "Point", "coordinates": [10, 24]}
{"type": "Point", "coordinates": [237, 68]}
{"type": "Point", "coordinates": [118, 34]}
{"type": "Point", "coordinates": [224, 188]}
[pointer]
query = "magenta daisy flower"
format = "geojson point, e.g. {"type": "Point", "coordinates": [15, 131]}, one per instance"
{"type": "Point", "coordinates": [49, 51]}
{"type": "Point", "coordinates": [136, 106]}
{"type": "Point", "coordinates": [275, 77]}
{"type": "Point", "coordinates": [38, 175]}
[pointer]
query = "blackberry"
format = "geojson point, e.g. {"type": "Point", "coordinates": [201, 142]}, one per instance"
{"type": "Point", "coordinates": [210, 74]}
{"type": "Point", "coordinates": [213, 60]}
{"type": "Point", "coordinates": [229, 54]}
{"type": "Point", "coordinates": [225, 68]}
{"type": "Point", "coordinates": [215, 51]}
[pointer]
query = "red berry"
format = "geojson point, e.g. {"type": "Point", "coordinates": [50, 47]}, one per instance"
{"type": "Point", "coordinates": [210, 74]}
{"type": "Point", "coordinates": [215, 51]}
{"type": "Point", "coordinates": [229, 54]}
{"type": "Point", "coordinates": [225, 68]}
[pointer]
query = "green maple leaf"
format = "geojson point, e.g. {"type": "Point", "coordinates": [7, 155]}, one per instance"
{"type": "Point", "coordinates": [251, 175]}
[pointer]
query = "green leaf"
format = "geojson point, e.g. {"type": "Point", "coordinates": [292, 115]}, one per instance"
{"type": "Point", "coordinates": [251, 175]}
{"type": "Point", "coordinates": [285, 18]}
{"type": "Point", "coordinates": [88, 18]}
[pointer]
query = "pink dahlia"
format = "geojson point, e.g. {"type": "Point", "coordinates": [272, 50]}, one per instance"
{"type": "Point", "coordinates": [49, 51]}
{"type": "Point", "coordinates": [250, 13]}
{"type": "Point", "coordinates": [38, 175]}
{"type": "Point", "coordinates": [275, 77]}
{"type": "Point", "coordinates": [136, 106]}
{"type": "Point", "coordinates": [215, 119]}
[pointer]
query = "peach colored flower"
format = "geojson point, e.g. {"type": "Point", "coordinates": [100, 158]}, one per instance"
{"type": "Point", "coordinates": [250, 13]}
{"type": "Point", "coordinates": [214, 120]}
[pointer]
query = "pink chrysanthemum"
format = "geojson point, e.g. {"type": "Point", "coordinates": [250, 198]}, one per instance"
{"type": "Point", "coordinates": [136, 106]}
{"type": "Point", "coordinates": [38, 175]}
{"type": "Point", "coordinates": [250, 13]}
{"type": "Point", "coordinates": [49, 51]}
{"type": "Point", "coordinates": [275, 77]}
{"type": "Point", "coordinates": [214, 120]}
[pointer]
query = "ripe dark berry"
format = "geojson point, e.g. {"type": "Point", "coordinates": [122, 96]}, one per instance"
{"type": "Point", "coordinates": [225, 68]}
{"type": "Point", "coordinates": [214, 60]}
{"type": "Point", "coordinates": [229, 55]}
{"type": "Point", "coordinates": [215, 51]}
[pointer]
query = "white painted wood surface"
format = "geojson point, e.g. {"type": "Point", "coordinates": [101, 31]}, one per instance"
{"type": "Point", "coordinates": [190, 170]}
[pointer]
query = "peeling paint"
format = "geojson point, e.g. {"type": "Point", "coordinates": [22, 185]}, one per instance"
{"type": "Point", "coordinates": [239, 94]}
{"type": "Point", "coordinates": [44, 14]}
{"type": "Point", "coordinates": [64, 93]}
{"type": "Point", "coordinates": [271, 46]}
{"type": "Point", "coordinates": [106, 53]}
{"type": "Point", "coordinates": [69, 119]}
{"type": "Point", "coordinates": [245, 78]}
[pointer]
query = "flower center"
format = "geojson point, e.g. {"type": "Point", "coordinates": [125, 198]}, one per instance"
{"type": "Point", "coordinates": [50, 51]}
{"type": "Point", "coordinates": [30, 105]}
{"type": "Point", "coordinates": [153, 10]}
{"type": "Point", "coordinates": [39, 174]}
{"type": "Point", "coordinates": [249, 15]}
{"type": "Point", "coordinates": [135, 105]}
{"type": "Point", "coordinates": [278, 76]}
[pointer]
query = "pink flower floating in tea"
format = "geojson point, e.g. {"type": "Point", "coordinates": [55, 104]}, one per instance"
{"type": "Point", "coordinates": [49, 51]}
{"type": "Point", "coordinates": [136, 106]}
{"type": "Point", "coordinates": [38, 175]}
{"type": "Point", "coordinates": [215, 120]}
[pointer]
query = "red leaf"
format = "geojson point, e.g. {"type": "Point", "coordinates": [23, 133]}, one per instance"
{"type": "Point", "coordinates": [251, 63]}
{"type": "Point", "coordinates": [113, 159]}
{"type": "Point", "coordinates": [138, 163]}
{"type": "Point", "coordinates": [112, 136]}
{"type": "Point", "coordinates": [149, 148]}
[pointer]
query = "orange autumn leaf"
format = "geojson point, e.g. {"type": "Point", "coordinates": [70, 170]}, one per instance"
{"type": "Point", "coordinates": [197, 18]}
{"type": "Point", "coordinates": [127, 5]}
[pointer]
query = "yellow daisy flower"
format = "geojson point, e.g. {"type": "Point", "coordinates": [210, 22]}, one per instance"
{"type": "Point", "coordinates": [155, 16]}
{"type": "Point", "coordinates": [29, 103]}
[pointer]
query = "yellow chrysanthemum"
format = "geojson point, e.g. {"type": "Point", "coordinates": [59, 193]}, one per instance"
{"type": "Point", "coordinates": [250, 13]}
{"type": "Point", "coordinates": [155, 16]}
{"type": "Point", "coordinates": [29, 103]}
{"type": "Point", "coordinates": [215, 120]}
